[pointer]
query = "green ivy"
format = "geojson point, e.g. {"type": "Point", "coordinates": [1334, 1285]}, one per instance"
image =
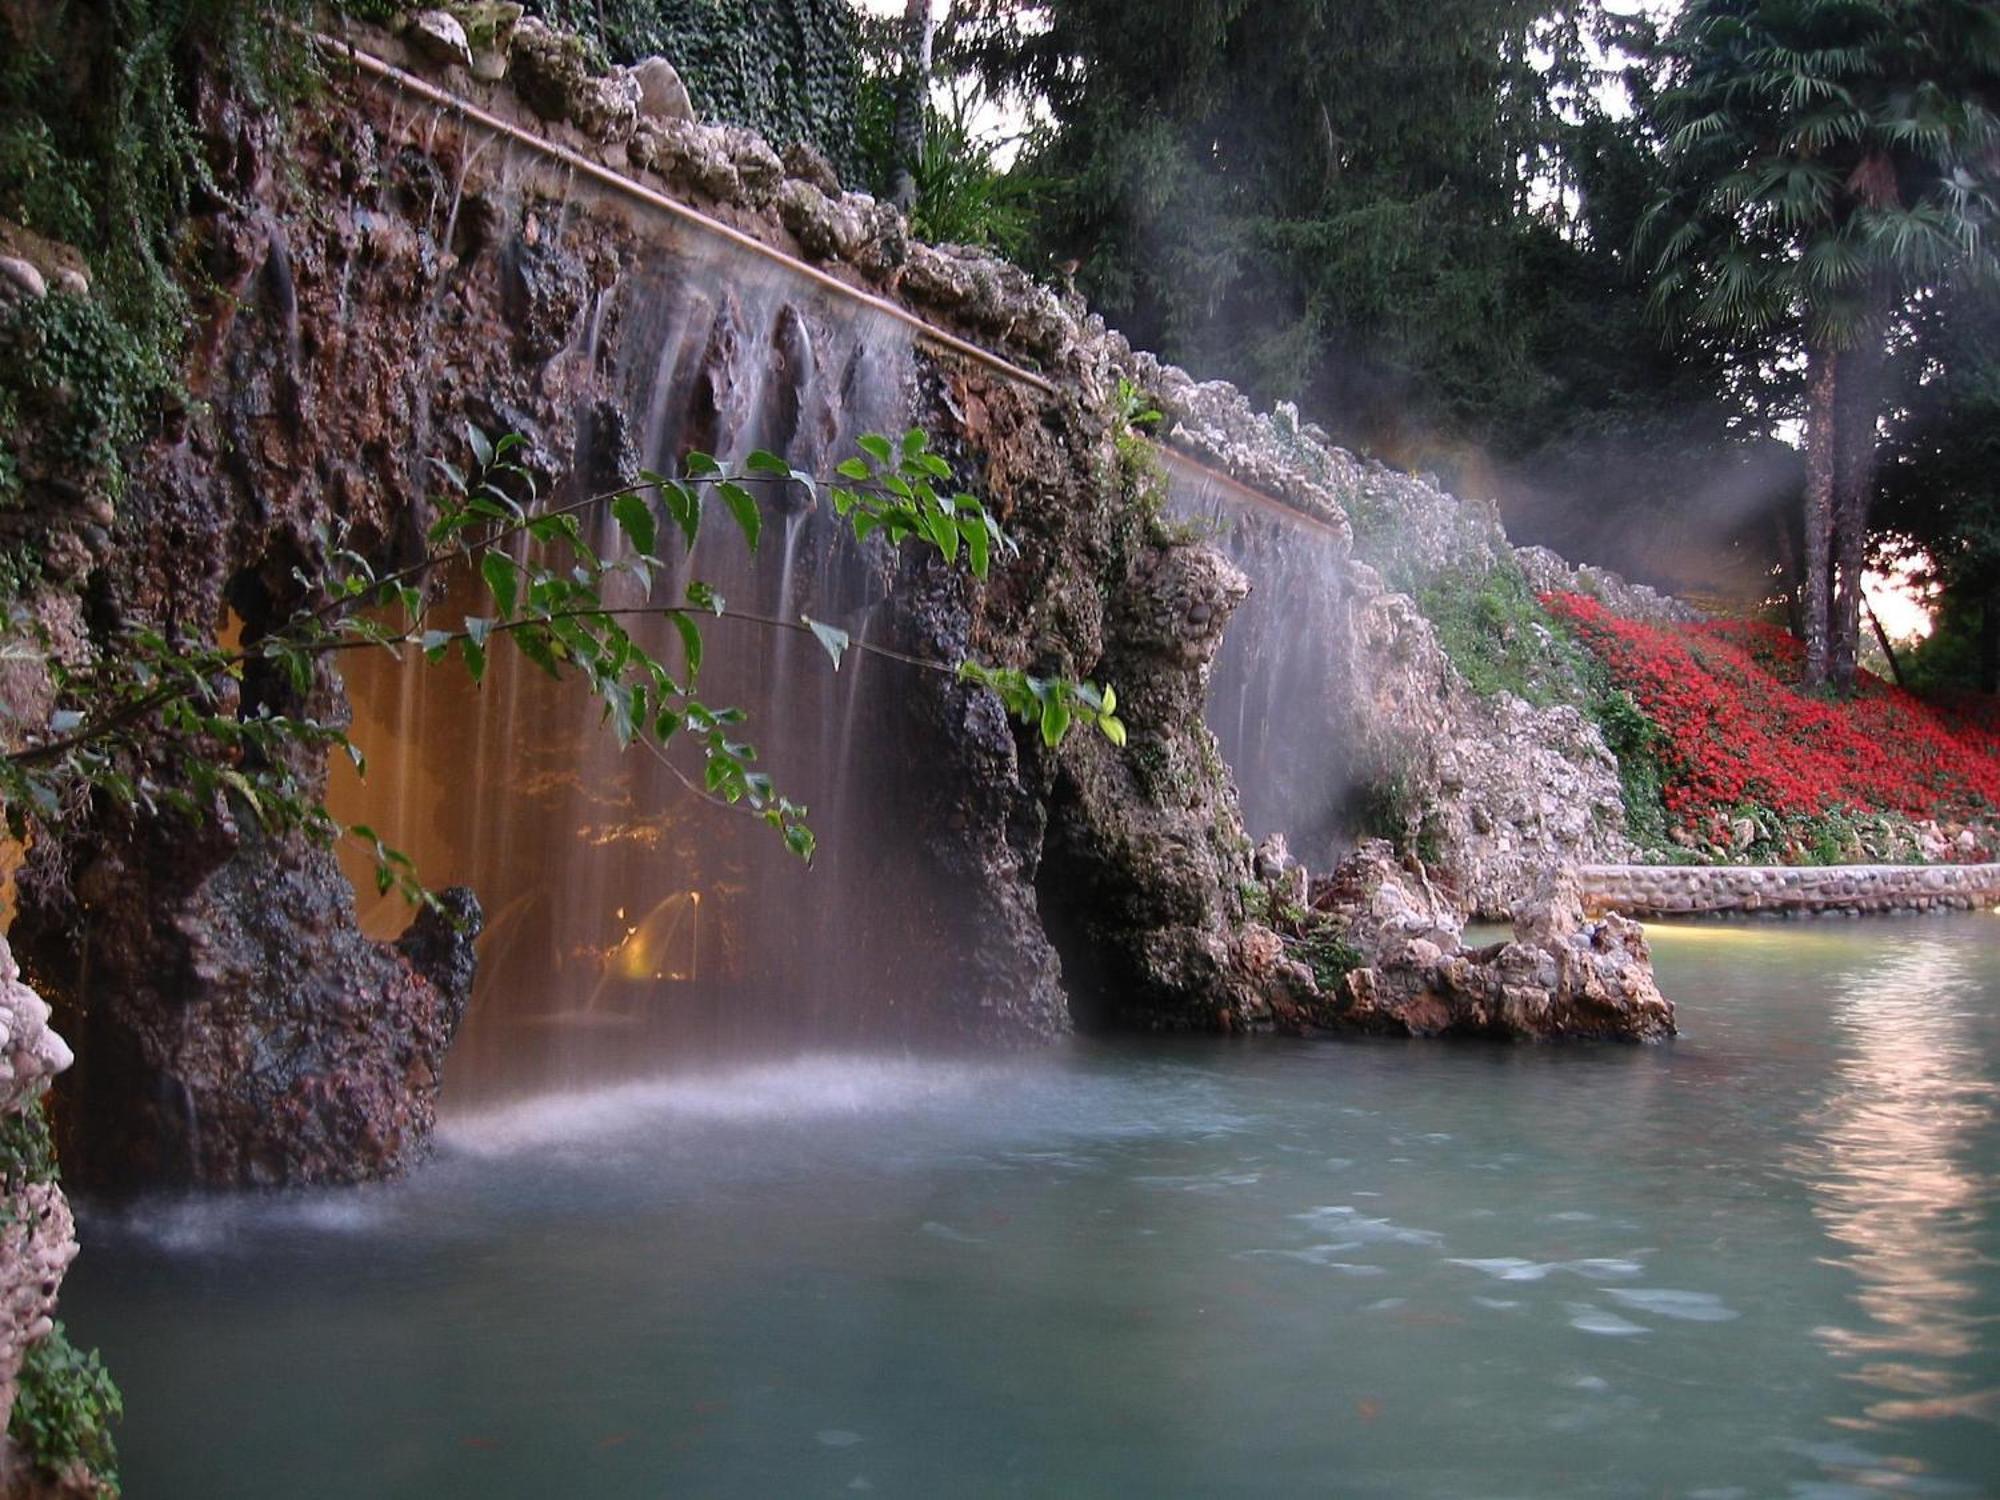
{"type": "Point", "coordinates": [63, 1414]}
{"type": "Point", "coordinates": [27, 1152]}
{"type": "Point", "coordinates": [78, 385]}
{"type": "Point", "coordinates": [788, 69]}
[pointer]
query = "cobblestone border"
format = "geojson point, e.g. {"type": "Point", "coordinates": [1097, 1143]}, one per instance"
{"type": "Point", "coordinates": [1696, 890]}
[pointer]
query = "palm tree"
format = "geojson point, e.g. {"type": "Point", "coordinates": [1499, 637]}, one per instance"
{"type": "Point", "coordinates": [1822, 161]}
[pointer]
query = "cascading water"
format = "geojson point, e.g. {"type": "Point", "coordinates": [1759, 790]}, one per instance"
{"type": "Point", "coordinates": [1279, 696]}
{"type": "Point", "coordinates": [629, 920]}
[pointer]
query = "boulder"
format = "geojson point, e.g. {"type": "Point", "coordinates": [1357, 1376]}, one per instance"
{"type": "Point", "coordinates": [1381, 901]}
{"type": "Point", "coordinates": [809, 164]}
{"type": "Point", "coordinates": [19, 280]}
{"type": "Point", "coordinates": [440, 37]}
{"type": "Point", "coordinates": [1561, 976]}
{"type": "Point", "coordinates": [826, 228]}
{"type": "Point", "coordinates": [662, 95]}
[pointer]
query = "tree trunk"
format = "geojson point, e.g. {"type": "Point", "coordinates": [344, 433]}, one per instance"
{"type": "Point", "coordinates": [1882, 639]}
{"type": "Point", "coordinates": [1790, 575]}
{"type": "Point", "coordinates": [910, 98]}
{"type": "Point", "coordinates": [1857, 402]}
{"type": "Point", "coordinates": [1822, 419]}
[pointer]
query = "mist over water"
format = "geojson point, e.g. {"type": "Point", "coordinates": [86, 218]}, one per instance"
{"type": "Point", "coordinates": [1760, 1260]}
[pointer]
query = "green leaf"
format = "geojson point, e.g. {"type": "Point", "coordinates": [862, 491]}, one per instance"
{"type": "Point", "coordinates": [1113, 728]}
{"type": "Point", "coordinates": [743, 507]}
{"type": "Point", "coordinates": [690, 643]}
{"type": "Point", "coordinates": [699, 465]}
{"type": "Point", "coordinates": [762, 462]}
{"type": "Point", "coordinates": [876, 447]}
{"type": "Point", "coordinates": [944, 531]}
{"type": "Point", "coordinates": [855, 469]}
{"type": "Point", "coordinates": [701, 596]}
{"type": "Point", "coordinates": [475, 658]}
{"type": "Point", "coordinates": [503, 578]}
{"type": "Point", "coordinates": [433, 643]}
{"type": "Point", "coordinates": [1055, 719]}
{"type": "Point", "coordinates": [973, 529]}
{"type": "Point", "coordinates": [635, 518]}
{"type": "Point", "coordinates": [834, 639]}
{"type": "Point", "coordinates": [482, 446]}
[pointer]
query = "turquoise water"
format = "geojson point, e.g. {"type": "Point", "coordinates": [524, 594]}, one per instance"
{"type": "Point", "coordinates": [1763, 1260]}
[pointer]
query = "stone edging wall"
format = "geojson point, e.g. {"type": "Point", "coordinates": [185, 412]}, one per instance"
{"type": "Point", "coordinates": [1697, 890]}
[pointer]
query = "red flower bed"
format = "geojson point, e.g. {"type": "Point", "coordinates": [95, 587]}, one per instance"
{"type": "Point", "coordinates": [1734, 730]}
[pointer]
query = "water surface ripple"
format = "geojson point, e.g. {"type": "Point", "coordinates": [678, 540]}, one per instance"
{"type": "Point", "coordinates": [1759, 1261]}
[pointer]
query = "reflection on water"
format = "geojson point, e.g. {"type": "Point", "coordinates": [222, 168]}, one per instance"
{"type": "Point", "coordinates": [1890, 1159]}
{"type": "Point", "coordinates": [1760, 1261]}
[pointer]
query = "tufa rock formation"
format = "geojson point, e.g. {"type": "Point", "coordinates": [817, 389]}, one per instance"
{"type": "Point", "coordinates": [1561, 975]}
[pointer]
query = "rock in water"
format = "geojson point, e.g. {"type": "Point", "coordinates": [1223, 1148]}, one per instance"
{"type": "Point", "coordinates": [1562, 975]}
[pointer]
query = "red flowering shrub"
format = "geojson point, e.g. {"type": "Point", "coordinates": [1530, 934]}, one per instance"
{"type": "Point", "coordinates": [1735, 731]}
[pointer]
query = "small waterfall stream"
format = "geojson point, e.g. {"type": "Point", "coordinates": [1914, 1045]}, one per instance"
{"type": "Point", "coordinates": [1280, 694]}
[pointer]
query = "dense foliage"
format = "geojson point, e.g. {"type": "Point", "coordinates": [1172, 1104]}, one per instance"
{"type": "Point", "coordinates": [1939, 508]}
{"type": "Point", "coordinates": [1734, 737]}
{"type": "Point", "coordinates": [788, 69]}
{"type": "Point", "coordinates": [1413, 221]}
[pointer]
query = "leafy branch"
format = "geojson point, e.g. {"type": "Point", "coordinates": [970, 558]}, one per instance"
{"type": "Point", "coordinates": [159, 726]}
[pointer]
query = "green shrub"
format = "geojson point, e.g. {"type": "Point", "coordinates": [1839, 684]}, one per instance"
{"type": "Point", "coordinates": [1330, 956]}
{"type": "Point", "coordinates": [1500, 638]}
{"type": "Point", "coordinates": [77, 384]}
{"type": "Point", "coordinates": [1633, 737]}
{"type": "Point", "coordinates": [65, 1409]}
{"type": "Point", "coordinates": [27, 1152]}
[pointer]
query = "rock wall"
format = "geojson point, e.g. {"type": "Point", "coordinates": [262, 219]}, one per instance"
{"type": "Point", "coordinates": [37, 1233]}
{"type": "Point", "coordinates": [1707, 890]}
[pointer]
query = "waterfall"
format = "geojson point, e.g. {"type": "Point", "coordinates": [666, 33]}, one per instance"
{"type": "Point", "coordinates": [630, 921]}
{"type": "Point", "coordinates": [1280, 694]}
